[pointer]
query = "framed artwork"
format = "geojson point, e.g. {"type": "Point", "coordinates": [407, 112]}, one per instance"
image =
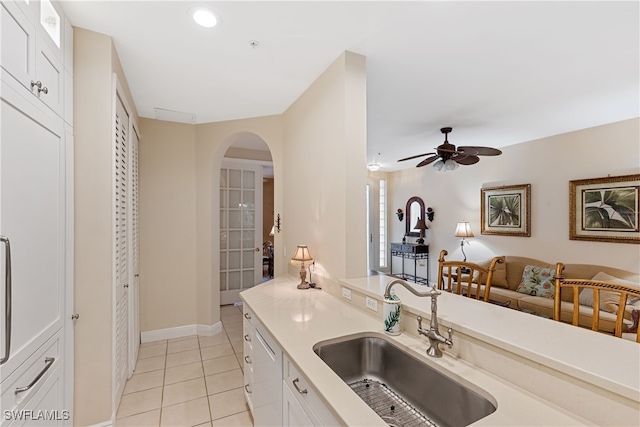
{"type": "Point", "coordinates": [605, 209]}
{"type": "Point", "coordinates": [506, 211]}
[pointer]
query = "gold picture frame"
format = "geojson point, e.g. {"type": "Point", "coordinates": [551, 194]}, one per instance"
{"type": "Point", "coordinates": [605, 209]}
{"type": "Point", "coordinates": [506, 210]}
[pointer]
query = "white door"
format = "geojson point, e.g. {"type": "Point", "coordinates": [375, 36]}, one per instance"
{"type": "Point", "coordinates": [121, 248]}
{"type": "Point", "coordinates": [240, 229]}
{"type": "Point", "coordinates": [134, 256]}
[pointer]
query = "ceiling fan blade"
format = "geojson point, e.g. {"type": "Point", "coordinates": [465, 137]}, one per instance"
{"type": "Point", "coordinates": [467, 151]}
{"type": "Point", "coordinates": [482, 151]}
{"type": "Point", "coordinates": [426, 161]}
{"type": "Point", "coordinates": [415, 157]}
{"type": "Point", "coordinates": [466, 160]}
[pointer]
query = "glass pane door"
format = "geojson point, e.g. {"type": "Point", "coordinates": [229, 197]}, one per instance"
{"type": "Point", "coordinates": [240, 229]}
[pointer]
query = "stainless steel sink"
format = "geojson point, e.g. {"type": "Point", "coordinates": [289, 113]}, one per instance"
{"type": "Point", "coordinates": [401, 388]}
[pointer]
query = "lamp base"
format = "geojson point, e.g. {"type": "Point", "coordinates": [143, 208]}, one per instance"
{"type": "Point", "coordinates": [303, 276]}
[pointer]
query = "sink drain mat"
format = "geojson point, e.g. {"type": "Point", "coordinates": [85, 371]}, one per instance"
{"type": "Point", "coordinates": [388, 405]}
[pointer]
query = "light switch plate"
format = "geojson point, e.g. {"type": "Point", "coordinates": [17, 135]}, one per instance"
{"type": "Point", "coordinates": [372, 304]}
{"type": "Point", "coordinates": [346, 293]}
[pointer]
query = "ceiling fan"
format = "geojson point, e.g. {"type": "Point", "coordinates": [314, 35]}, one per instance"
{"type": "Point", "coordinates": [450, 157]}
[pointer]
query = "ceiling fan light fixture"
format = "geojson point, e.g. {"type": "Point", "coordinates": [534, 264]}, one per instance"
{"type": "Point", "coordinates": [373, 167]}
{"type": "Point", "coordinates": [439, 166]}
{"type": "Point", "coordinates": [450, 165]}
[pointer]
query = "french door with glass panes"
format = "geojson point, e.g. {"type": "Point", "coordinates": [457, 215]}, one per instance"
{"type": "Point", "coordinates": [240, 229]}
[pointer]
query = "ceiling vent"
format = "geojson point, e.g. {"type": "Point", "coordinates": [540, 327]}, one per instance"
{"type": "Point", "coordinates": [175, 116]}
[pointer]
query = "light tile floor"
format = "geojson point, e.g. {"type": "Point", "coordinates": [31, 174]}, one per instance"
{"type": "Point", "coordinates": [190, 381]}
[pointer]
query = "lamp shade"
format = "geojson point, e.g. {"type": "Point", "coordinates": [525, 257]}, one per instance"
{"type": "Point", "coordinates": [302, 255]}
{"type": "Point", "coordinates": [463, 230]}
{"type": "Point", "coordinates": [420, 225]}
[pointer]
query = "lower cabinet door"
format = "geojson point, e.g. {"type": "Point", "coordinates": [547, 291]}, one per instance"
{"type": "Point", "coordinates": [293, 414]}
{"type": "Point", "coordinates": [267, 380]}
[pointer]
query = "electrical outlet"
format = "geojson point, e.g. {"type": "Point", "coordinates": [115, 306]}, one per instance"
{"type": "Point", "coordinates": [346, 293]}
{"type": "Point", "coordinates": [372, 304]}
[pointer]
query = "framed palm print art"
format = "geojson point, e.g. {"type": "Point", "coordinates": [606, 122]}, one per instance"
{"type": "Point", "coordinates": [506, 211]}
{"type": "Point", "coordinates": [605, 209]}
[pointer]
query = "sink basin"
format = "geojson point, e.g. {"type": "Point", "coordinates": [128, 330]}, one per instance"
{"type": "Point", "coordinates": [401, 388]}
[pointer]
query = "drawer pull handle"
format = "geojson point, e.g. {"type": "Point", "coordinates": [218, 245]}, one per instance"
{"type": "Point", "coordinates": [48, 361]}
{"type": "Point", "coordinates": [295, 384]}
{"type": "Point", "coordinates": [246, 388]}
{"type": "Point", "coordinates": [247, 316]}
{"type": "Point", "coordinates": [247, 338]}
{"type": "Point", "coordinates": [7, 299]}
{"type": "Point", "coordinates": [246, 359]}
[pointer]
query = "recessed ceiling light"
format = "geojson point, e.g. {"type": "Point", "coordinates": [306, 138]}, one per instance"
{"type": "Point", "coordinates": [204, 17]}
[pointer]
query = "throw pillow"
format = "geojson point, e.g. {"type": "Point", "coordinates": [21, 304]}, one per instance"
{"type": "Point", "coordinates": [537, 281]}
{"type": "Point", "coordinates": [499, 275]}
{"type": "Point", "coordinates": [635, 315]}
{"type": "Point", "coordinates": [608, 299]}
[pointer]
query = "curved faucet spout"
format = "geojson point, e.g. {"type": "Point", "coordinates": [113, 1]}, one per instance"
{"type": "Point", "coordinates": [387, 289]}
{"type": "Point", "coordinates": [433, 333]}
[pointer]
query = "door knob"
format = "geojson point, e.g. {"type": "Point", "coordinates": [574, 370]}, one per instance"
{"type": "Point", "coordinates": [126, 286]}
{"type": "Point", "coordinates": [75, 316]}
{"type": "Point", "coordinates": [257, 249]}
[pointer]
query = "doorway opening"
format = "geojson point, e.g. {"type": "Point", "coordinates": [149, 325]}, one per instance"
{"type": "Point", "coordinates": [246, 217]}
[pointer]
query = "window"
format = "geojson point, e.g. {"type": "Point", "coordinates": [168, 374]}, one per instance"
{"type": "Point", "coordinates": [50, 20]}
{"type": "Point", "coordinates": [383, 222]}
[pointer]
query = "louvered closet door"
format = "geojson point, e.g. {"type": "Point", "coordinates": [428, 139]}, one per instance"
{"type": "Point", "coordinates": [121, 270]}
{"type": "Point", "coordinates": [134, 255]}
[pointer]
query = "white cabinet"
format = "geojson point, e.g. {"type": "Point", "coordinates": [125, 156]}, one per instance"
{"type": "Point", "coordinates": [263, 373]}
{"type": "Point", "coordinates": [308, 409]}
{"type": "Point", "coordinates": [276, 391]}
{"type": "Point", "coordinates": [36, 197]}
{"type": "Point", "coordinates": [29, 54]}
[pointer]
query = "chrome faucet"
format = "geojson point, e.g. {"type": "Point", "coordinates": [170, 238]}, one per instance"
{"type": "Point", "coordinates": [435, 339]}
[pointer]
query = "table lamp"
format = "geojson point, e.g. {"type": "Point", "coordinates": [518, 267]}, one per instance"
{"type": "Point", "coordinates": [421, 225]}
{"type": "Point", "coordinates": [463, 230]}
{"type": "Point", "coordinates": [301, 256]}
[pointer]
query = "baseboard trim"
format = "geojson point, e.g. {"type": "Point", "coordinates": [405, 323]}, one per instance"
{"type": "Point", "coordinates": [181, 331]}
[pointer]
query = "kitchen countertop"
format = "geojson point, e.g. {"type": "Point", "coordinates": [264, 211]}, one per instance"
{"type": "Point", "coordinates": [298, 320]}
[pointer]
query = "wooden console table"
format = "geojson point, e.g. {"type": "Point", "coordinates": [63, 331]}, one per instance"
{"type": "Point", "coordinates": [411, 251]}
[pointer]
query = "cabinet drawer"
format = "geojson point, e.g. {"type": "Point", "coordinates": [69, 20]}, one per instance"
{"type": "Point", "coordinates": [306, 396]}
{"type": "Point", "coordinates": [46, 360]}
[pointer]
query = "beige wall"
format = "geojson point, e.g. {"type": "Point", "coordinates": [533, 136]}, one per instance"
{"type": "Point", "coordinates": [318, 189]}
{"type": "Point", "coordinates": [167, 225]}
{"type": "Point", "coordinates": [94, 64]}
{"type": "Point", "coordinates": [548, 164]}
{"type": "Point", "coordinates": [325, 170]}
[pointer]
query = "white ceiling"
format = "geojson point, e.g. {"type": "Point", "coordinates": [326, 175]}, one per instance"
{"type": "Point", "coordinates": [499, 73]}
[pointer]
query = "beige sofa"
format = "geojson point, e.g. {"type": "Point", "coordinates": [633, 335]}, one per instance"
{"type": "Point", "coordinates": [508, 275]}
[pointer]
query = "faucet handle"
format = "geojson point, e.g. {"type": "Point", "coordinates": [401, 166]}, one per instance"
{"type": "Point", "coordinates": [419, 322]}
{"type": "Point", "coordinates": [434, 292]}
{"type": "Point", "coordinates": [450, 332]}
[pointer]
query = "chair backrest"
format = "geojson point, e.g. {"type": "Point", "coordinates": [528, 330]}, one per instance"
{"type": "Point", "coordinates": [267, 249]}
{"type": "Point", "coordinates": [454, 276]}
{"type": "Point", "coordinates": [619, 293]}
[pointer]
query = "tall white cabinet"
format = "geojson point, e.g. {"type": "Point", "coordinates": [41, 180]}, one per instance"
{"type": "Point", "coordinates": [36, 218]}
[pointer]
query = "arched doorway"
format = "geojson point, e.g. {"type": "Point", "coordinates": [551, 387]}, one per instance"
{"type": "Point", "coordinates": [245, 216]}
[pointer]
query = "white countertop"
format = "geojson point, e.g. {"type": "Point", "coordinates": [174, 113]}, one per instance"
{"type": "Point", "coordinates": [298, 320]}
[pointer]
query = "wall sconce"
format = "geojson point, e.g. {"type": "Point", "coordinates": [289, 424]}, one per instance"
{"type": "Point", "coordinates": [301, 256]}
{"type": "Point", "coordinates": [401, 214]}
{"type": "Point", "coordinates": [430, 214]}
